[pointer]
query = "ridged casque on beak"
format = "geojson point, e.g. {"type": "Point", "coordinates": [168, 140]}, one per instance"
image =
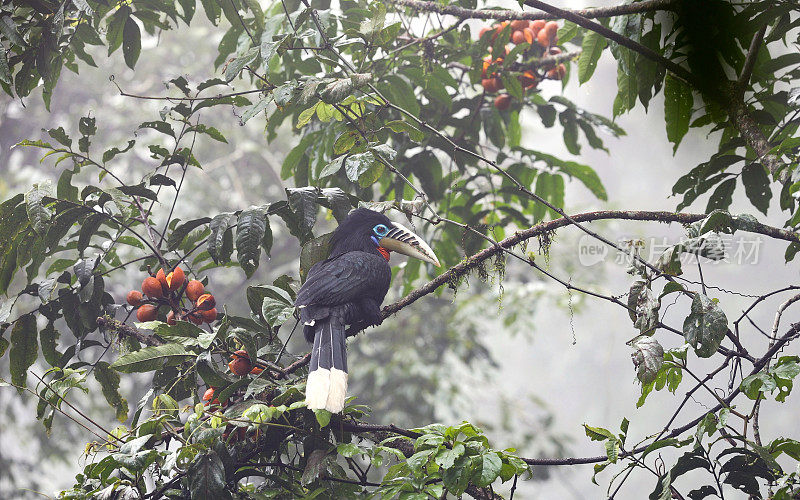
{"type": "Point", "coordinates": [401, 240]}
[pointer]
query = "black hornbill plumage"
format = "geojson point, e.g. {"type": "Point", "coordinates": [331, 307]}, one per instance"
{"type": "Point", "coordinates": [347, 289]}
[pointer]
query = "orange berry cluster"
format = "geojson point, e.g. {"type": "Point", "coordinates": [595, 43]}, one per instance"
{"type": "Point", "coordinates": [522, 31]}
{"type": "Point", "coordinates": [169, 290]}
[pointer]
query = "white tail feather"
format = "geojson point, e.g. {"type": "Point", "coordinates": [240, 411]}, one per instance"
{"type": "Point", "coordinates": [318, 388]}
{"type": "Point", "coordinates": [338, 390]}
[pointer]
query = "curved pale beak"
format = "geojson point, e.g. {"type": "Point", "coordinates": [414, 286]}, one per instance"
{"type": "Point", "coordinates": [401, 240]}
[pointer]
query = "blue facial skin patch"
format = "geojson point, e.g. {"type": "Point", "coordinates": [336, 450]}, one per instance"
{"type": "Point", "coordinates": [375, 240]}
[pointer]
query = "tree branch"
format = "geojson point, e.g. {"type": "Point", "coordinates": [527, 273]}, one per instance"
{"type": "Point", "coordinates": [616, 37]}
{"type": "Point", "coordinates": [750, 60]}
{"type": "Point", "coordinates": [502, 15]}
{"type": "Point", "coordinates": [472, 262]}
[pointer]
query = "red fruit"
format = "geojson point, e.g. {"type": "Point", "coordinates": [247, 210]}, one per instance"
{"type": "Point", "coordinates": [543, 39]}
{"type": "Point", "coordinates": [162, 278]}
{"type": "Point", "coordinates": [152, 288]}
{"type": "Point", "coordinates": [209, 394]}
{"type": "Point", "coordinates": [205, 302]}
{"type": "Point", "coordinates": [518, 37]}
{"type": "Point", "coordinates": [240, 363]}
{"type": "Point", "coordinates": [489, 85]}
{"type": "Point", "coordinates": [134, 298]}
{"type": "Point", "coordinates": [502, 102]}
{"type": "Point", "coordinates": [538, 25]}
{"type": "Point", "coordinates": [171, 320]}
{"type": "Point", "coordinates": [146, 312]}
{"type": "Point", "coordinates": [175, 279]}
{"type": "Point", "coordinates": [519, 24]}
{"type": "Point", "coordinates": [194, 290]}
{"type": "Point", "coordinates": [529, 35]}
{"type": "Point", "coordinates": [209, 316]}
{"type": "Point", "coordinates": [551, 28]}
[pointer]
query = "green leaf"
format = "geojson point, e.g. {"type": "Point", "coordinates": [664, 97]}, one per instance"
{"type": "Point", "coordinates": [38, 214]}
{"type": "Point", "coordinates": [706, 325]}
{"type": "Point", "coordinates": [722, 197]}
{"type": "Point", "coordinates": [447, 457]}
{"type": "Point", "coordinates": [678, 102]}
{"type": "Point", "coordinates": [109, 382]}
{"type": "Point", "coordinates": [401, 126]}
{"type": "Point", "coordinates": [592, 48]}
{"type": "Point", "coordinates": [586, 175]}
{"type": "Point", "coordinates": [323, 418]}
{"type": "Point", "coordinates": [647, 358]}
{"type": "Point", "coordinates": [163, 127]}
{"type": "Point", "coordinates": [303, 202]}
{"type": "Point", "coordinates": [24, 349]}
{"type": "Point", "coordinates": [60, 135]}
{"type": "Point", "coordinates": [491, 465]}
{"type": "Point", "coordinates": [250, 230]}
{"type": "Point", "coordinates": [275, 312]}
{"type": "Point", "coordinates": [237, 65]}
{"type": "Point", "coordinates": [756, 186]}
{"type": "Point", "coordinates": [598, 433]}
{"type": "Point", "coordinates": [131, 42]}
{"type": "Point", "coordinates": [148, 358]}
{"type": "Point", "coordinates": [207, 478]}
{"type": "Point", "coordinates": [219, 225]}
{"type": "Point", "coordinates": [178, 234]}
{"type": "Point", "coordinates": [314, 251]}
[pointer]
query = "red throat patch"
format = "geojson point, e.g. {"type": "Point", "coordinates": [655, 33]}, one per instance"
{"type": "Point", "coordinates": [384, 252]}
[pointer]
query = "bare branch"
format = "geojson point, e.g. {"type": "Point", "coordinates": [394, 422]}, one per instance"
{"type": "Point", "coordinates": [502, 15]}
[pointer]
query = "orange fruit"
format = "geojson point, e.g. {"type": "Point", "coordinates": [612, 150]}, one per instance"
{"type": "Point", "coordinates": [551, 28]}
{"type": "Point", "coordinates": [502, 102]}
{"type": "Point", "coordinates": [209, 394]}
{"type": "Point", "coordinates": [134, 298]}
{"type": "Point", "coordinates": [490, 85]}
{"type": "Point", "coordinates": [240, 363]}
{"type": "Point", "coordinates": [483, 31]}
{"type": "Point", "coordinates": [519, 24]}
{"type": "Point", "coordinates": [529, 36]}
{"type": "Point", "coordinates": [146, 312]}
{"type": "Point", "coordinates": [256, 370]}
{"type": "Point", "coordinates": [152, 288]}
{"type": "Point", "coordinates": [518, 37]}
{"type": "Point", "coordinates": [538, 25]}
{"type": "Point", "coordinates": [543, 39]}
{"type": "Point", "coordinates": [205, 302]}
{"type": "Point", "coordinates": [194, 290]}
{"type": "Point", "coordinates": [162, 278]}
{"type": "Point", "coordinates": [175, 279]}
{"type": "Point", "coordinates": [209, 316]}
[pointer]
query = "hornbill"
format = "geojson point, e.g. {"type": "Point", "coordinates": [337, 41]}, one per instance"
{"type": "Point", "coordinates": [347, 289]}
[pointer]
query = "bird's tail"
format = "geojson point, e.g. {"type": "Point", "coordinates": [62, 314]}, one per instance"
{"type": "Point", "coordinates": [326, 387]}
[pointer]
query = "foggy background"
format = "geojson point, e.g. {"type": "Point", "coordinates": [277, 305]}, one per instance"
{"type": "Point", "coordinates": [559, 362]}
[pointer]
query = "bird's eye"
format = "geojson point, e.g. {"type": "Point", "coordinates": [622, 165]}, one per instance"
{"type": "Point", "coordinates": [380, 230]}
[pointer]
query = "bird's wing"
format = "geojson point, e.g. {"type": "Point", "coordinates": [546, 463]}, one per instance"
{"type": "Point", "coordinates": [350, 276]}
